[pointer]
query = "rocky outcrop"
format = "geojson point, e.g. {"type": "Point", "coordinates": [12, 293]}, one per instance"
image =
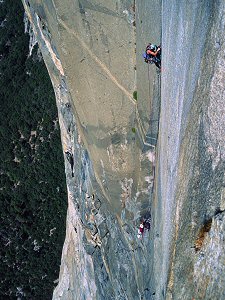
{"type": "Point", "coordinates": [109, 141]}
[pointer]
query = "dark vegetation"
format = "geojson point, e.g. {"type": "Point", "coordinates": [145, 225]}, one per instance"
{"type": "Point", "coordinates": [32, 182]}
{"type": "Point", "coordinates": [135, 95]}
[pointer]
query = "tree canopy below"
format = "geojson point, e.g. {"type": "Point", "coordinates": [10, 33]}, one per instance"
{"type": "Point", "coordinates": [33, 196]}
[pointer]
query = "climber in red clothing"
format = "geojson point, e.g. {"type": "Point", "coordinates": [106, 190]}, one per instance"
{"type": "Point", "coordinates": [141, 230]}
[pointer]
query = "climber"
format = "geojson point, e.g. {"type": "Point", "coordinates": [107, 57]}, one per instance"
{"type": "Point", "coordinates": [153, 50]}
{"type": "Point", "coordinates": [141, 230]}
{"type": "Point", "coordinates": [147, 224]}
{"type": "Point", "coordinates": [147, 221]}
{"type": "Point", "coordinates": [152, 55]}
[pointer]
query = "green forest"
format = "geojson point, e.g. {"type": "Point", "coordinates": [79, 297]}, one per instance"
{"type": "Point", "coordinates": [33, 196]}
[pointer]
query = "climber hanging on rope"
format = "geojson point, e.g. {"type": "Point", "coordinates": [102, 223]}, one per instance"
{"type": "Point", "coordinates": [141, 231]}
{"type": "Point", "coordinates": [145, 224]}
{"type": "Point", "coordinates": [152, 55]}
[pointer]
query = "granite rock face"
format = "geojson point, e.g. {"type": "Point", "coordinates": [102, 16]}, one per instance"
{"type": "Point", "coordinates": [93, 54]}
{"type": "Point", "coordinates": [190, 185]}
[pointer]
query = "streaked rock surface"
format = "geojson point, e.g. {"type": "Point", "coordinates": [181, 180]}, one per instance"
{"type": "Point", "coordinates": [93, 54]}
{"type": "Point", "coordinates": [191, 147]}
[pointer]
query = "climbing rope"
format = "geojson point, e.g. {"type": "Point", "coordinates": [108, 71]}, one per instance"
{"type": "Point", "coordinates": [137, 13]}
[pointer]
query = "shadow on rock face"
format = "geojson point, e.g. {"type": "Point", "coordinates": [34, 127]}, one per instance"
{"type": "Point", "coordinates": [201, 234]}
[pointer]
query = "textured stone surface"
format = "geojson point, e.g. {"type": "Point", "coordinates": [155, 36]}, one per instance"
{"type": "Point", "coordinates": [191, 156]}
{"type": "Point", "coordinates": [89, 49]}
{"type": "Point", "coordinates": [209, 263]}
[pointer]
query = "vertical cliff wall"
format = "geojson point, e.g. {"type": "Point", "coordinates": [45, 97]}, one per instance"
{"type": "Point", "coordinates": [190, 193]}
{"type": "Point", "coordinates": [89, 49]}
{"type": "Point", "coordinates": [109, 142]}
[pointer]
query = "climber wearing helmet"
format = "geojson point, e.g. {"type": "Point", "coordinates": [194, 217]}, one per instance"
{"type": "Point", "coordinates": [152, 55]}
{"type": "Point", "coordinates": [153, 50]}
